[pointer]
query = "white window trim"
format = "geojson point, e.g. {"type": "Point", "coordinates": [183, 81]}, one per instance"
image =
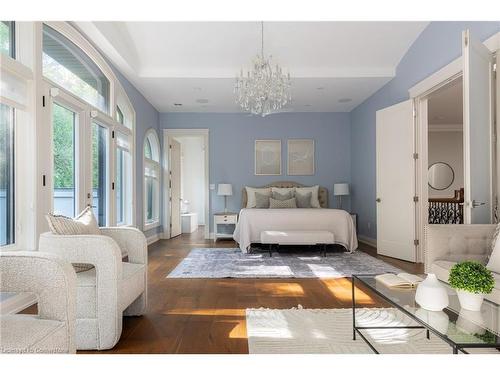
{"type": "Point", "coordinates": [155, 165]}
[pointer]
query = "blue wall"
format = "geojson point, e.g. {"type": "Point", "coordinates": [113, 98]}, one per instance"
{"type": "Point", "coordinates": [438, 45]}
{"type": "Point", "coordinates": [232, 138]}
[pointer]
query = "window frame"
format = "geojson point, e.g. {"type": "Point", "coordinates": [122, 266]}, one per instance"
{"type": "Point", "coordinates": [154, 165]}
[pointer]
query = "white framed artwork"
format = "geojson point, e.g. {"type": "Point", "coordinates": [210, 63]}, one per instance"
{"type": "Point", "coordinates": [300, 157]}
{"type": "Point", "coordinates": [267, 157]}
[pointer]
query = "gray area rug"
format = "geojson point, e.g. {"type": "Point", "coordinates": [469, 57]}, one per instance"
{"type": "Point", "coordinates": [215, 263]}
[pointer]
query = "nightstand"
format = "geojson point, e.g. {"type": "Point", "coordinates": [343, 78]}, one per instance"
{"type": "Point", "coordinates": [224, 225]}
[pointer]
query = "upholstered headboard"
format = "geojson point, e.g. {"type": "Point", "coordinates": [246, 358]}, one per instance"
{"type": "Point", "coordinates": [322, 193]}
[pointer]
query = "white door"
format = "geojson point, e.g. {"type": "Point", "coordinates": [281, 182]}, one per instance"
{"type": "Point", "coordinates": [478, 162]}
{"type": "Point", "coordinates": [175, 188]}
{"type": "Point", "coordinates": [395, 182]}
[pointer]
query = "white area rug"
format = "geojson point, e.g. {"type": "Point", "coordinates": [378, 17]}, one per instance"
{"type": "Point", "coordinates": [232, 263]}
{"type": "Point", "coordinates": [329, 331]}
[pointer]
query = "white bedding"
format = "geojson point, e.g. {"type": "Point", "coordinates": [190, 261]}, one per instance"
{"type": "Point", "coordinates": [252, 221]}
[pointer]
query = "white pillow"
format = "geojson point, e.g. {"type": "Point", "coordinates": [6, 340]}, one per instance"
{"type": "Point", "coordinates": [284, 191]}
{"type": "Point", "coordinates": [251, 202]}
{"type": "Point", "coordinates": [84, 223]}
{"type": "Point", "coordinates": [494, 262]}
{"type": "Point", "coordinates": [314, 190]}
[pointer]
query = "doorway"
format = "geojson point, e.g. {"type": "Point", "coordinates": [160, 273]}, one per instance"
{"type": "Point", "coordinates": [186, 193]}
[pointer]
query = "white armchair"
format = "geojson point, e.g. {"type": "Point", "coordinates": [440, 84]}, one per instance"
{"type": "Point", "coordinates": [53, 281]}
{"type": "Point", "coordinates": [112, 288]}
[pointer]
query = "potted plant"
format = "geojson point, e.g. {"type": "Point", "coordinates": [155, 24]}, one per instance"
{"type": "Point", "coordinates": [472, 281]}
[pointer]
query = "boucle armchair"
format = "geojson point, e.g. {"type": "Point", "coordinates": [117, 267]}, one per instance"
{"type": "Point", "coordinates": [447, 244]}
{"type": "Point", "coordinates": [112, 288]}
{"type": "Point", "coordinates": [53, 281]}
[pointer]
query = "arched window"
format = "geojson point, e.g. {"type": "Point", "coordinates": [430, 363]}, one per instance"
{"type": "Point", "coordinates": [151, 180]}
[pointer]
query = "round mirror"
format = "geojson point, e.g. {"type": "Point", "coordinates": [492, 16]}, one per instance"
{"type": "Point", "coordinates": [441, 176]}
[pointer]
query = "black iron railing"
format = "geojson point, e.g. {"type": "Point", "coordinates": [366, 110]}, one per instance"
{"type": "Point", "coordinates": [447, 210]}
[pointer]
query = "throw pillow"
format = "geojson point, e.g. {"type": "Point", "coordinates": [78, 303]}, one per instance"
{"type": "Point", "coordinates": [288, 203]}
{"type": "Point", "coordinates": [282, 196]}
{"type": "Point", "coordinates": [303, 200]}
{"type": "Point", "coordinates": [284, 190]}
{"type": "Point", "coordinates": [314, 190]}
{"type": "Point", "coordinates": [251, 202]}
{"type": "Point", "coordinates": [494, 262]}
{"type": "Point", "coordinates": [261, 200]}
{"type": "Point", "coordinates": [84, 223]}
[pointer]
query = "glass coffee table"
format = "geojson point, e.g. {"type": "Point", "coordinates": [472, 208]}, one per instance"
{"type": "Point", "coordinates": [459, 328]}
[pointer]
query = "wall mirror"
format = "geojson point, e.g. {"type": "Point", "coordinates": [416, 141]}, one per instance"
{"type": "Point", "coordinates": [441, 176]}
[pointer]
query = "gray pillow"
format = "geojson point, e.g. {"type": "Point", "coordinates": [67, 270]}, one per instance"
{"type": "Point", "coordinates": [287, 203]}
{"type": "Point", "coordinates": [282, 197]}
{"type": "Point", "coordinates": [303, 200]}
{"type": "Point", "coordinates": [261, 200]}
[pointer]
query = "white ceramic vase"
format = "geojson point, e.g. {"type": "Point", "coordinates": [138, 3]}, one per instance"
{"type": "Point", "coordinates": [470, 301]}
{"type": "Point", "coordinates": [431, 295]}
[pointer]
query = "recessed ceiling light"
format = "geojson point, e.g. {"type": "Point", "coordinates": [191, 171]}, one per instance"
{"type": "Point", "coordinates": [197, 88]}
{"type": "Point", "coordinates": [307, 105]}
{"type": "Point", "coordinates": [202, 101]}
{"type": "Point", "coordinates": [345, 100]}
{"type": "Point", "coordinates": [178, 104]}
{"type": "Point", "coordinates": [320, 88]}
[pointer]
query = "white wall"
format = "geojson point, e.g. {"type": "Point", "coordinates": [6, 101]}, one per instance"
{"type": "Point", "coordinates": [447, 147]}
{"type": "Point", "coordinates": [193, 174]}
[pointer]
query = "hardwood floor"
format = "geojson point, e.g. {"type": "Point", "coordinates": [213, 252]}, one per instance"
{"type": "Point", "coordinates": [208, 315]}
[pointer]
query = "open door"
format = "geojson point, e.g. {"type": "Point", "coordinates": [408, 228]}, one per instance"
{"type": "Point", "coordinates": [175, 188]}
{"type": "Point", "coordinates": [396, 182]}
{"type": "Point", "coordinates": [478, 116]}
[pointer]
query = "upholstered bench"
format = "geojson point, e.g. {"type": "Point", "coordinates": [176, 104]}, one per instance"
{"type": "Point", "coordinates": [296, 237]}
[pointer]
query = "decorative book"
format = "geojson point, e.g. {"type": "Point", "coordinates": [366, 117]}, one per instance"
{"type": "Point", "coordinates": [401, 280]}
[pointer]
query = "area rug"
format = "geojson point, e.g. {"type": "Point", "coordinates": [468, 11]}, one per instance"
{"type": "Point", "coordinates": [329, 331]}
{"type": "Point", "coordinates": [232, 263]}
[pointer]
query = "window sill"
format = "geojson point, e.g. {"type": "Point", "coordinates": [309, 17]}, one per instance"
{"type": "Point", "coordinates": [150, 225]}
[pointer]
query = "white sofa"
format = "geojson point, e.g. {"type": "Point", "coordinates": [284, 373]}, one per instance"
{"type": "Point", "coordinates": [448, 244]}
{"type": "Point", "coordinates": [53, 281]}
{"type": "Point", "coordinates": [112, 288]}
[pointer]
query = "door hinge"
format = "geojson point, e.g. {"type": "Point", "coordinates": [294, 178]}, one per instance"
{"type": "Point", "coordinates": [466, 41]}
{"type": "Point", "coordinates": [170, 225]}
{"type": "Point", "coordinates": [170, 184]}
{"type": "Point", "coordinates": [416, 242]}
{"type": "Point", "coordinates": [43, 100]}
{"type": "Point", "coordinates": [415, 198]}
{"type": "Point", "coordinates": [112, 186]}
{"type": "Point", "coordinates": [170, 146]}
{"type": "Point", "coordinates": [415, 155]}
{"type": "Point", "coordinates": [112, 134]}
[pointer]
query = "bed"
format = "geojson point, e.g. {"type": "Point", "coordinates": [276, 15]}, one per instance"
{"type": "Point", "coordinates": [252, 221]}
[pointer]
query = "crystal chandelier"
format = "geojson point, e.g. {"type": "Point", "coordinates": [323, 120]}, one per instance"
{"type": "Point", "coordinates": [263, 90]}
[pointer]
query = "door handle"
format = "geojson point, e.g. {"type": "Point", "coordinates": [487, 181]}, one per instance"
{"type": "Point", "coordinates": [378, 200]}
{"type": "Point", "coordinates": [477, 204]}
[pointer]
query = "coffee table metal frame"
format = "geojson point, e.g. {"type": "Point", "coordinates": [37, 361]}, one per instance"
{"type": "Point", "coordinates": [422, 325]}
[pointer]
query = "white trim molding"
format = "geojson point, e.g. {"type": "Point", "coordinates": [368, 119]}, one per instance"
{"type": "Point", "coordinates": [368, 241]}
{"type": "Point", "coordinates": [154, 238]}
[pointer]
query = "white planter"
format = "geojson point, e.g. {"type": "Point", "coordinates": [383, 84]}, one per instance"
{"type": "Point", "coordinates": [470, 301]}
{"type": "Point", "coordinates": [431, 295]}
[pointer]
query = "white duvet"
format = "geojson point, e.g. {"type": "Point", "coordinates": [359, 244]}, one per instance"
{"type": "Point", "coordinates": [252, 221]}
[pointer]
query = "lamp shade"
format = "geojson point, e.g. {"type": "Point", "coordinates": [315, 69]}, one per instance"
{"type": "Point", "coordinates": [225, 189]}
{"type": "Point", "coordinates": [341, 189]}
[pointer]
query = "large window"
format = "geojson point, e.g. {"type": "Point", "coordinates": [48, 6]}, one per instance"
{"type": "Point", "coordinates": [63, 138]}
{"type": "Point", "coordinates": [7, 38]}
{"type": "Point", "coordinates": [67, 65]}
{"type": "Point", "coordinates": [6, 175]}
{"type": "Point", "coordinates": [151, 180]}
{"type": "Point", "coordinates": [100, 172]}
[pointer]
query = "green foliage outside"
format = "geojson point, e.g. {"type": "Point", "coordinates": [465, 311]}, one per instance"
{"type": "Point", "coordinates": [63, 138]}
{"type": "Point", "coordinates": [472, 277]}
{"type": "Point", "coordinates": [5, 37]}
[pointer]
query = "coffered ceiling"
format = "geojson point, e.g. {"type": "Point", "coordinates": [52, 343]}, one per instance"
{"type": "Point", "coordinates": [191, 66]}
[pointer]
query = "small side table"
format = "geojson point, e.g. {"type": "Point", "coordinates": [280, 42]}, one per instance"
{"type": "Point", "coordinates": [224, 224]}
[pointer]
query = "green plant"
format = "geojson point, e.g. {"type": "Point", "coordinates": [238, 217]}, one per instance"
{"type": "Point", "coordinates": [472, 277]}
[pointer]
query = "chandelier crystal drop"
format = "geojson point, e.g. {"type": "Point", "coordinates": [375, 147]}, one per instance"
{"type": "Point", "coordinates": [263, 90]}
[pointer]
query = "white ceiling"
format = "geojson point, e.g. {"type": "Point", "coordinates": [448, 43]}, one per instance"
{"type": "Point", "coordinates": [445, 107]}
{"type": "Point", "coordinates": [189, 62]}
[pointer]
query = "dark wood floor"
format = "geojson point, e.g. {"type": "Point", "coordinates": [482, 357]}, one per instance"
{"type": "Point", "coordinates": [208, 315]}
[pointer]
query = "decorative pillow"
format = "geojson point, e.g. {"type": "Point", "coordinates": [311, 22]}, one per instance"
{"type": "Point", "coordinates": [251, 202]}
{"type": "Point", "coordinates": [282, 197]}
{"type": "Point", "coordinates": [494, 261]}
{"type": "Point", "coordinates": [303, 200]}
{"type": "Point", "coordinates": [283, 190]}
{"type": "Point", "coordinates": [84, 223]}
{"type": "Point", "coordinates": [288, 203]}
{"type": "Point", "coordinates": [314, 190]}
{"type": "Point", "coordinates": [261, 200]}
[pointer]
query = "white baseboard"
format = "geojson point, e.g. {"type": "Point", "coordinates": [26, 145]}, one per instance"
{"type": "Point", "coordinates": [153, 238]}
{"type": "Point", "coordinates": [368, 240]}
{"type": "Point", "coordinates": [211, 236]}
